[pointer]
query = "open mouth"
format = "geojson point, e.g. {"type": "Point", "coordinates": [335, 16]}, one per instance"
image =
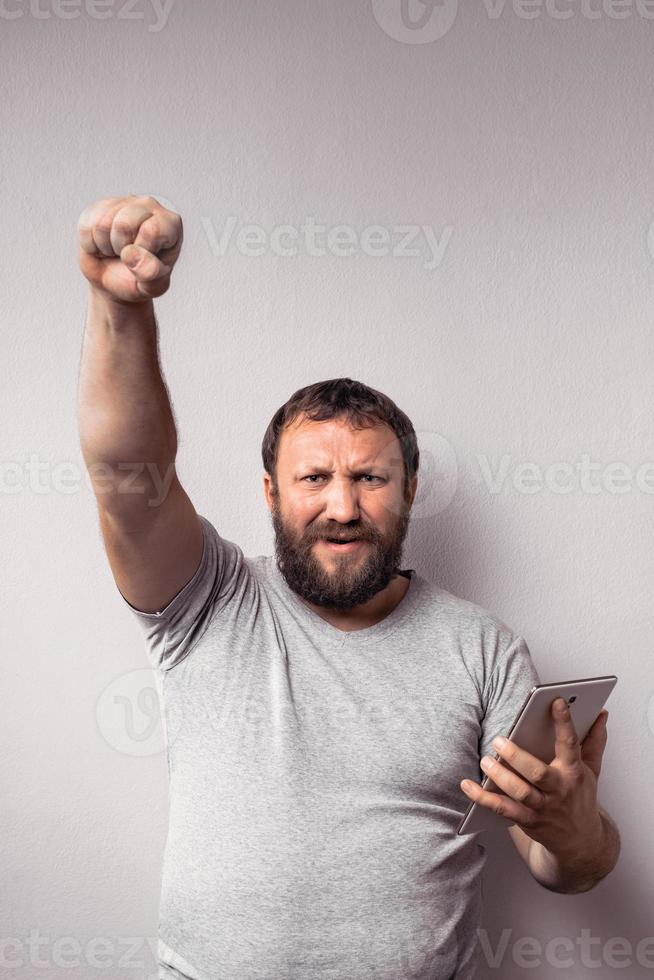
{"type": "Point", "coordinates": [338, 544]}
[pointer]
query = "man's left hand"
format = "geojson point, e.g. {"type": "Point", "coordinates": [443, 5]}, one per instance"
{"type": "Point", "coordinates": [556, 804]}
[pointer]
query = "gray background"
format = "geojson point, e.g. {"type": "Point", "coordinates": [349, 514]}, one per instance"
{"type": "Point", "coordinates": [523, 138]}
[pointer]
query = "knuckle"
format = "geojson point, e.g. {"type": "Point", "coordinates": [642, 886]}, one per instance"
{"type": "Point", "coordinates": [150, 228]}
{"type": "Point", "coordinates": [576, 774]}
{"type": "Point", "coordinates": [122, 225]}
{"type": "Point", "coordinates": [104, 223]}
{"type": "Point", "coordinates": [524, 792]}
{"type": "Point", "coordinates": [538, 774]}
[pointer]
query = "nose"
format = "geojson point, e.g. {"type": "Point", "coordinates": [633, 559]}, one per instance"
{"type": "Point", "coordinates": [342, 502]}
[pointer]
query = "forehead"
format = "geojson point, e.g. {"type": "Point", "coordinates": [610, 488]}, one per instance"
{"type": "Point", "coordinates": [305, 441]}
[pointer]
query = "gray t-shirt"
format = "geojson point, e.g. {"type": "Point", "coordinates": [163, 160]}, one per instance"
{"type": "Point", "coordinates": [314, 777]}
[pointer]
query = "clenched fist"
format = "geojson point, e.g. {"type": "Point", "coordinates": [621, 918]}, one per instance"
{"type": "Point", "coordinates": [128, 247]}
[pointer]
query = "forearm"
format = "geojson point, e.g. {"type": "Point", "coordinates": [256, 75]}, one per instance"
{"type": "Point", "coordinates": [125, 417]}
{"type": "Point", "coordinates": [580, 868]}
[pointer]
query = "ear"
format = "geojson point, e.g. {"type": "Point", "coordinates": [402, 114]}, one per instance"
{"type": "Point", "coordinates": [267, 489]}
{"type": "Point", "coordinates": [413, 486]}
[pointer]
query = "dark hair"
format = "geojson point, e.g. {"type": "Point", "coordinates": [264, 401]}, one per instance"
{"type": "Point", "coordinates": [361, 405]}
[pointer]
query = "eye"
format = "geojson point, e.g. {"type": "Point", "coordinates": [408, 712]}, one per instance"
{"type": "Point", "coordinates": [367, 476]}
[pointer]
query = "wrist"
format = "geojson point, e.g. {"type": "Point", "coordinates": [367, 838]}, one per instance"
{"type": "Point", "coordinates": [576, 867]}
{"type": "Point", "coordinates": [588, 846]}
{"type": "Point", "coordinates": [115, 312]}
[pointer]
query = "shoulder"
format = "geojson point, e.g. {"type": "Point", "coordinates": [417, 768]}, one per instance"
{"type": "Point", "coordinates": [470, 637]}
{"type": "Point", "coordinates": [467, 618]}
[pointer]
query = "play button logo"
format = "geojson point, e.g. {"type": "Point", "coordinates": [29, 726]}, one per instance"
{"type": "Point", "coordinates": [415, 21]}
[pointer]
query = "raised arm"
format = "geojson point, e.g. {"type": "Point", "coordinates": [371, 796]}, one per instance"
{"type": "Point", "coordinates": [152, 533]}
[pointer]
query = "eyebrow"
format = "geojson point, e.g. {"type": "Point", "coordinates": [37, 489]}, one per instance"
{"type": "Point", "coordinates": [358, 471]}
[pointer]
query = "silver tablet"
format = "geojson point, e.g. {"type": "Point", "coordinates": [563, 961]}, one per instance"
{"type": "Point", "coordinates": [533, 730]}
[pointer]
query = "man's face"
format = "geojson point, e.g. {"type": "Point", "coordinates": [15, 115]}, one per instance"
{"type": "Point", "coordinates": [337, 481]}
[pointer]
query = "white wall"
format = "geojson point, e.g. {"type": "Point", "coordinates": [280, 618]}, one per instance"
{"type": "Point", "coordinates": [524, 141]}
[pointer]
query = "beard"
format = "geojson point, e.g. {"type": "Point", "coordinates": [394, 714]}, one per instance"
{"type": "Point", "coordinates": [345, 580]}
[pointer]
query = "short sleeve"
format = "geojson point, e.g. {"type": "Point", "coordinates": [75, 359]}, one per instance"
{"type": "Point", "coordinates": [171, 633]}
{"type": "Point", "coordinates": [508, 686]}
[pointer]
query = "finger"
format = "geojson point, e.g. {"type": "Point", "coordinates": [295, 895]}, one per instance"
{"type": "Point", "coordinates": [148, 270]}
{"type": "Point", "coordinates": [162, 235]}
{"type": "Point", "coordinates": [535, 771]}
{"type": "Point", "coordinates": [593, 746]}
{"type": "Point", "coordinates": [512, 784]}
{"type": "Point", "coordinates": [125, 226]}
{"type": "Point", "coordinates": [503, 806]}
{"type": "Point", "coordinates": [103, 218]}
{"type": "Point", "coordinates": [566, 745]}
{"type": "Point", "coordinates": [87, 220]}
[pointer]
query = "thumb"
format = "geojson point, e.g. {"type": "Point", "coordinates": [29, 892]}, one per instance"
{"type": "Point", "coordinates": [592, 747]}
{"type": "Point", "coordinates": [151, 274]}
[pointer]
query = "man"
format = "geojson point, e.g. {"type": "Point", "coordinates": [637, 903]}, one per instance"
{"type": "Point", "coordinates": [321, 707]}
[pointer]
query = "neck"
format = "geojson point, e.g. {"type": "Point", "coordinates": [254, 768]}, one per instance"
{"type": "Point", "coordinates": [370, 613]}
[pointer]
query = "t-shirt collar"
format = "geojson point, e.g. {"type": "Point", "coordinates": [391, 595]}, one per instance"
{"type": "Point", "coordinates": [333, 634]}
